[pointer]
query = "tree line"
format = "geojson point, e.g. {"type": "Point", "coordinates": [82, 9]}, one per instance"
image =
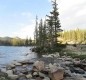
{"type": "Point", "coordinates": [77, 36]}
{"type": "Point", "coordinates": [16, 42]}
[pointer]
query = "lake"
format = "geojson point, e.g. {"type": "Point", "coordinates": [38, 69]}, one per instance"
{"type": "Point", "coordinates": [10, 53]}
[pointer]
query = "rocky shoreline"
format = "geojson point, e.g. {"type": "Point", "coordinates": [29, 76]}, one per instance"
{"type": "Point", "coordinates": [48, 67]}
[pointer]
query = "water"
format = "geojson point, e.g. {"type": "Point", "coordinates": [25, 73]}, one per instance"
{"type": "Point", "coordinates": [10, 53]}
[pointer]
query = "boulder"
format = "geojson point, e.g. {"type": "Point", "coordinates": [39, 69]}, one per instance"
{"type": "Point", "coordinates": [83, 79]}
{"type": "Point", "coordinates": [3, 70]}
{"type": "Point", "coordinates": [24, 66]}
{"type": "Point", "coordinates": [57, 54]}
{"type": "Point", "coordinates": [85, 68]}
{"type": "Point", "coordinates": [24, 62]}
{"type": "Point", "coordinates": [58, 75]}
{"type": "Point", "coordinates": [39, 65]}
{"type": "Point", "coordinates": [38, 78]}
{"type": "Point", "coordinates": [78, 70]}
{"type": "Point", "coordinates": [53, 68]}
{"type": "Point", "coordinates": [22, 78]}
{"type": "Point", "coordinates": [46, 78]}
{"type": "Point", "coordinates": [14, 77]}
{"type": "Point", "coordinates": [47, 56]}
{"type": "Point", "coordinates": [29, 76]}
{"type": "Point", "coordinates": [24, 71]}
{"type": "Point", "coordinates": [9, 72]}
{"type": "Point", "coordinates": [41, 74]}
{"type": "Point", "coordinates": [68, 63]}
{"type": "Point", "coordinates": [10, 66]}
{"type": "Point", "coordinates": [34, 68]}
{"type": "Point", "coordinates": [68, 59]}
{"type": "Point", "coordinates": [4, 76]}
{"type": "Point", "coordinates": [67, 73]}
{"type": "Point", "coordinates": [35, 73]}
{"type": "Point", "coordinates": [21, 75]}
{"type": "Point", "coordinates": [18, 64]}
{"type": "Point", "coordinates": [76, 61]}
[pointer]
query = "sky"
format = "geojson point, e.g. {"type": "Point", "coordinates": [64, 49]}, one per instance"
{"type": "Point", "coordinates": [17, 17]}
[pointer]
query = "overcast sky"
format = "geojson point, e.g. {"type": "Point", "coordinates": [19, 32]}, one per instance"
{"type": "Point", "coordinates": [17, 17]}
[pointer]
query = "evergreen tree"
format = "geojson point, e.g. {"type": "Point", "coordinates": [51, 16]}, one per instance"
{"type": "Point", "coordinates": [40, 39]}
{"type": "Point", "coordinates": [30, 41]}
{"type": "Point", "coordinates": [26, 42]}
{"type": "Point", "coordinates": [36, 32]}
{"type": "Point", "coordinates": [54, 25]}
{"type": "Point", "coordinates": [77, 36]}
{"type": "Point", "coordinates": [44, 34]}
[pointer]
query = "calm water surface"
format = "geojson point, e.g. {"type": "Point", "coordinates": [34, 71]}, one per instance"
{"type": "Point", "coordinates": [10, 53]}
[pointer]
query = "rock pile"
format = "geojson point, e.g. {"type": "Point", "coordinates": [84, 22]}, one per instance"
{"type": "Point", "coordinates": [49, 67]}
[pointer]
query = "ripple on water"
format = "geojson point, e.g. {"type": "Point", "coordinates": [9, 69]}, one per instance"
{"type": "Point", "coordinates": [10, 53]}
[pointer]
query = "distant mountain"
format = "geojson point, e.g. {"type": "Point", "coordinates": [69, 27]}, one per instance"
{"type": "Point", "coordinates": [5, 38]}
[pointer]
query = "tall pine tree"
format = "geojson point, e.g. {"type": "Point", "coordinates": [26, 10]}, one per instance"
{"type": "Point", "coordinates": [36, 32]}
{"type": "Point", "coordinates": [54, 24]}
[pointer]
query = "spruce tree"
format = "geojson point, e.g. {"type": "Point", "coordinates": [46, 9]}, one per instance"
{"type": "Point", "coordinates": [36, 32]}
{"type": "Point", "coordinates": [54, 24]}
{"type": "Point", "coordinates": [40, 33]}
{"type": "Point", "coordinates": [26, 42]}
{"type": "Point", "coordinates": [44, 34]}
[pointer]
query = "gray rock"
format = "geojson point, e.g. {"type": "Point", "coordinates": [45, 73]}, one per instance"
{"type": "Point", "coordinates": [13, 76]}
{"type": "Point", "coordinates": [9, 67]}
{"type": "Point", "coordinates": [22, 78]}
{"type": "Point", "coordinates": [3, 70]}
{"type": "Point", "coordinates": [57, 55]}
{"type": "Point", "coordinates": [46, 78]}
{"type": "Point", "coordinates": [9, 72]}
{"type": "Point", "coordinates": [29, 76]}
{"type": "Point", "coordinates": [53, 68]}
{"type": "Point", "coordinates": [35, 73]}
{"type": "Point", "coordinates": [40, 65]}
{"type": "Point", "coordinates": [41, 74]}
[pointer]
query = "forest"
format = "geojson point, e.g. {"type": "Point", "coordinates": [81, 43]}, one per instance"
{"type": "Point", "coordinates": [8, 41]}
{"type": "Point", "coordinates": [77, 36]}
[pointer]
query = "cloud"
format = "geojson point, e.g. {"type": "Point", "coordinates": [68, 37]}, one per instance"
{"type": "Point", "coordinates": [26, 30]}
{"type": "Point", "coordinates": [25, 25]}
{"type": "Point", "coordinates": [72, 13]}
{"type": "Point", "coordinates": [81, 12]}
